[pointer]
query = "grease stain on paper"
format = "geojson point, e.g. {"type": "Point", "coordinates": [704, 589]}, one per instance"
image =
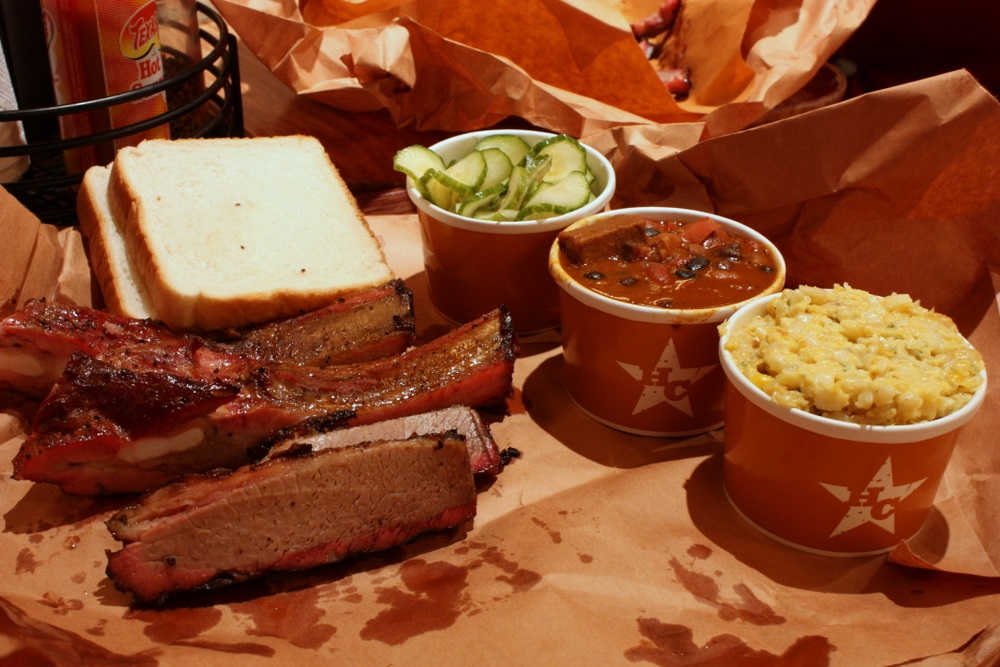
{"type": "Point", "coordinates": [432, 596]}
{"type": "Point", "coordinates": [60, 605]}
{"type": "Point", "coordinates": [518, 578]}
{"type": "Point", "coordinates": [670, 645]}
{"type": "Point", "coordinates": [435, 598]}
{"type": "Point", "coordinates": [181, 625]}
{"type": "Point", "coordinates": [25, 563]}
{"type": "Point", "coordinates": [554, 535]}
{"type": "Point", "coordinates": [99, 628]}
{"type": "Point", "coordinates": [746, 606]}
{"type": "Point", "coordinates": [293, 616]}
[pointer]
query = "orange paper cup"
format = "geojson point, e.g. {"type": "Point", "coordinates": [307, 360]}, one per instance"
{"type": "Point", "coordinates": [826, 486]}
{"type": "Point", "coordinates": [641, 369]}
{"type": "Point", "coordinates": [473, 266]}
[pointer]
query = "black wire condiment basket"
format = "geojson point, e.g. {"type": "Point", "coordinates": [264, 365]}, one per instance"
{"type": "Point", "coordinates": [215, 109]}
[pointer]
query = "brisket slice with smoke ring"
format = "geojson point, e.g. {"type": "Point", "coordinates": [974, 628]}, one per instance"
{"type": "Point", "coordinates": [484, 455]}
{"type": "Point", "coordinates": [290, 513]}
{"type": "Point", "coordinates": [111, 430]}
{"type": "Point", "coordinates": [37, 341]}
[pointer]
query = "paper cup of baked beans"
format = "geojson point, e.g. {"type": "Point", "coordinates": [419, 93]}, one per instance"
{"type": "Point", "coordinates": [490, 204]}
{"type": "Point", "coordinates": [841, 416]}
{"type": "Point", "coordinates": [642, 292]}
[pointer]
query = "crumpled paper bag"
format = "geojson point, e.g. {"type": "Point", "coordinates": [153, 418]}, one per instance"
{"type": "Point", "coordinates": [565, 66]}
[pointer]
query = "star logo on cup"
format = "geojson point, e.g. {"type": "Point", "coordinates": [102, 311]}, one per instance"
{"type": "Point", "coordinates": [876, 503]}
{"type": "Point", "coordinates": [668, 381]}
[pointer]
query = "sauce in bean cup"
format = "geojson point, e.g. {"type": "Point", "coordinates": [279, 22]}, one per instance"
{"type": "Point", "coordinates": [826, 485]}
{"type": "Point", "coordinates": [646, 369]}
{"type": "Point", "coordinates": [473, 266]}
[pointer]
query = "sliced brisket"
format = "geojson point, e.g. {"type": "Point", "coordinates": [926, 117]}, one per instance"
{"type": "Point", "coordinates": [484, 456]}
{"type": "Point", "coordinates": [290, 513]}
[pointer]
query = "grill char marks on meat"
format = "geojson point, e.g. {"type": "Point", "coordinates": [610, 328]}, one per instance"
{"type": "Point", "coordinates": [484, 455]}
{"type": "Point", "coordinates": [110, 430]}
{"type": "Point", "coordinates": [290, 513]}
{"type": "Point", "coordinates": [86, 442]}
{"type": "Point", "coordinates": [472, 365]}
{"type": "Point", "coordinates": [37, 341]}
{"type": "Point", "coordinates": [359, 327]}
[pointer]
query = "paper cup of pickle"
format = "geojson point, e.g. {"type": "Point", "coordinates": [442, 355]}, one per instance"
{"type": "Point", "coordinates": [490, 204]}
{"type": "Point", "coordinates": [842, 413]}
{"type": "Point", "coordinates": [642, 293]}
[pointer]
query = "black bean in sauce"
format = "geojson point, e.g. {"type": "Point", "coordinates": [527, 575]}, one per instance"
{"type": "Point", "coordinates": [685, 274]}
{"type": "Point", "coordinates": [731, 252]}
{"type": "Point", "coordinates": [697, 263]}
{"type": "Point", "coordinates": [593, 275]}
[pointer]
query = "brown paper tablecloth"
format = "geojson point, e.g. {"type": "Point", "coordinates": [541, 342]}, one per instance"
{"type": "Point", "coordinates": [596, 547]}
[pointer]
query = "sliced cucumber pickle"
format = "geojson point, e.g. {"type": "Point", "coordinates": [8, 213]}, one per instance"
{"type": "Point", "coordinates": [503, 178]}
{"type": "Point", "coordinates": [555, 198]}
{"type": "Point", "coordinates": [514, 147]}
{"type": "Point", "coordinates": [438, 193]}
{"type": "Point", "coordinates": [465, 175]}
{"type": "Point", "coordinates": [470, 207]}
{"type": "Point", "coordinates": [498, 168]}
{"type": "Point", "coordinates": [566, 155]}
{"type": "Point", "coordinates": [415, 162]}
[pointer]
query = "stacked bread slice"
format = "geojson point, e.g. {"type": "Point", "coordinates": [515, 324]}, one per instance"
{"type": "Point", "coordinates": [207, 234]}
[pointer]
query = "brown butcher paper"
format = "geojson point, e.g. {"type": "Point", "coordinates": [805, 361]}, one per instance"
{"type": "Point", "coordinates": [595, 547]}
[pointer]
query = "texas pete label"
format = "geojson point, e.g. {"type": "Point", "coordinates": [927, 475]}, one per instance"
{"type": "Point", "coordinates": [130, 51]}
{"type": "Point", "coordinates": [99, 48]}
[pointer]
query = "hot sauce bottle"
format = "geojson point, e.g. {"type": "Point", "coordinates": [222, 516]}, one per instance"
{"type": "Point", "coordinates": [99, 48]}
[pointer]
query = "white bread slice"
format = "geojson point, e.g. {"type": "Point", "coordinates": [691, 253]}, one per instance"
{"type": "Point", "coordinates": [230, 232]}
{"type": "Point", "coordinates": [122, 289]}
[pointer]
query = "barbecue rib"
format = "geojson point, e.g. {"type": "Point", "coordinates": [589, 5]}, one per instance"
{"type": "Point", "coordinates": [104, 429]}
{"type": "Point", "coordinates": [289, 513]}
{"type": "Point", "coordinates": [367, 325]}
{"type": "Point", "coordinates": [484, 456]}
{"type": "Point", "coordinates": [37, 341]}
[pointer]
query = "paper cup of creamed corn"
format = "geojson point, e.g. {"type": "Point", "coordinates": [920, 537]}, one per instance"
{"type": "Point", "coordinates": [842, 411]}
